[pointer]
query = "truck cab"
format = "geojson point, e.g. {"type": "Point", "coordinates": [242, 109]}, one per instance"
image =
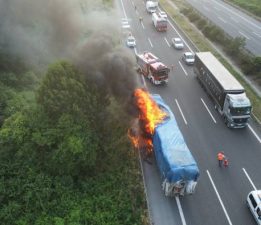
{"type": "Point", "coordinates": [151, 67]}
{"type": "Point", "coordinates": [237, 110]}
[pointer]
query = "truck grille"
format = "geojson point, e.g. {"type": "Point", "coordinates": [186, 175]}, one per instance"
{"type": "Point", "coordinates": [240, 120]}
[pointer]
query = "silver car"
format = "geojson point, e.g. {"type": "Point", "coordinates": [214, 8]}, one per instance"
{"type": "Point", "coordinates": [177, 43]}
{"type": "Point", "coordinates": [131, 42]}
{"type": "Point", "coordinates": [188, 58]}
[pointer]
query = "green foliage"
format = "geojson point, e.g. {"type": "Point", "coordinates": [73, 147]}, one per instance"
{"type": "Point", "coordinates": [201, 23]}
{"type": "Point", "coordinates": [67, 159]}
{"type": "Point", "coordinates": [235, 45]}
{"type": "Point", "coordinates": [193, 16]}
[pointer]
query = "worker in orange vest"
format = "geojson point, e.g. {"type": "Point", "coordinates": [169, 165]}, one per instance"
{"type": "Point", "coordinates": [220, 157]}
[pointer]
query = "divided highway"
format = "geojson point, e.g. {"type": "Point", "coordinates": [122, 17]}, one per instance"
{"type": "Point", "coordinates": [221, 193]}
{"type": "Point", "coordinates": [232, 21]}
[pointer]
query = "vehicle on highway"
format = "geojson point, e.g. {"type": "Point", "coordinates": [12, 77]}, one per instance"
{"type": "Point", "coordinates": [177, 43]}
{"type": "Point", "coordinates": [254, 204]}
{"type": "Point", "coordinates": [151, 67]}
{"type": "Point", "coordinates": [163, 14]}
{"type": "Point", "coordinates": [151, 6]}
{"type": "Point", "coordinates": [188, 58]}
{"type": "Point", "coordinates": [227, 93]}
{"type": "Point", "coordinates": [178, 168]}
{"type": "Point", "coordinates": [131, 42]}
{"type": "Point", "coordinates": [160, 23]}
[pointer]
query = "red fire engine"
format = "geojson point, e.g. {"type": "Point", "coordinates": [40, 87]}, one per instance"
{"type": "Point", "coordinates": [150, 66]}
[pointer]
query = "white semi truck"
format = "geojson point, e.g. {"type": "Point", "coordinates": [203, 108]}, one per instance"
{"type": "Point", "coordinates": [227, 93]}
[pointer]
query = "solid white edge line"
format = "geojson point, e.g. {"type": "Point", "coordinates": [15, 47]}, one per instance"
{"type": "Point", "coordinates": [243, 35]}
{"type": "Point", "coordinates": [180, 211]}
{"type": "Point", "coordinates": [255, 134]}
{"type": "Point", "coordinates": [208, 110]}
{"type": "Point", "coordinates": [181, 112]}
{"type": "Point", "coordinates": [123, 9]}
{"type": "Point", "coordinates": [166, 41]}
{"type": "Point", "coordinates": [145, 190]}
{"type": "Point", "coordinates": [248, 177]}
{"type": "Point", "coordinates": [180, 36]}
{"type": "Point", "coordinates": [220, 200]}
{"type": "Point", "coordinates": [150, 42]}
{"type": "Point", "coordinates": [183, 69]}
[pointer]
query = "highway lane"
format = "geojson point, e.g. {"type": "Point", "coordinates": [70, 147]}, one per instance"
{"type": "Point", "coordinates": [233, 21]}
{"type": "Point", "coordinates": [204, 137]}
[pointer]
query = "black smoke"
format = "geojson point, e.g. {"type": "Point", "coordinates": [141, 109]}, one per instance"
{"type": "Point", "coordinates": [83, 32]}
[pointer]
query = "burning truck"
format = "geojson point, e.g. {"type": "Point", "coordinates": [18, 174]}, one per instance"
{"type": "Point", "coordinates": [160, 131]}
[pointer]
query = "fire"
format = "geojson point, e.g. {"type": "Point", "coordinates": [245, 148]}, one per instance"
{"type": "Point", "coordinates": [150, 115]}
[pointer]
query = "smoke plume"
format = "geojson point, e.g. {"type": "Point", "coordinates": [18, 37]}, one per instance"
{"type": "Point", "coordinates": [83, 31]}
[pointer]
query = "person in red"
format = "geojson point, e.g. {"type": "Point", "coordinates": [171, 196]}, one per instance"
{"type": "Point", "coordinates": [225, 162]}
{"type": "Point", "coordinates": [220, 157]}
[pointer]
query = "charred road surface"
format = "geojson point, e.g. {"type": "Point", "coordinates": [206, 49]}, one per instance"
{"type": "Point", "coordinates": [220, 196]}
{"type": "Point", "coordinates": [232, 21]}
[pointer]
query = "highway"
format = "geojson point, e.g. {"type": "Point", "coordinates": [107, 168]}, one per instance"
{"type": "Point", "coordinates": [221, 192]}
{"type": "Point", "coordinates": [232, 21]}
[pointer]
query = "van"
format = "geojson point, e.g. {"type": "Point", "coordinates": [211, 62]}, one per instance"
{"type": "Point", "coordinates": [254, 204]}
{"type": "Point", "coordinates": [151, 6]}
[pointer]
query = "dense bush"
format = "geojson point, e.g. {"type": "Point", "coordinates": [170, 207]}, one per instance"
{"type": "Point", "coordinates": [72, 168]}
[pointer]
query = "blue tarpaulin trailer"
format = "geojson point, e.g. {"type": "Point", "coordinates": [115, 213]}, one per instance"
{"type": "Point", "coordinates": [177, 166]}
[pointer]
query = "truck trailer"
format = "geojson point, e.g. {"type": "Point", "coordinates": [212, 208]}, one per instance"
{"type": "Point", "coordinates": [227, 93]}
{"type": "Point", "coordinates": [159, 22]}
{"type": "Point", "coordinates": [151, 67]}
{"type": "Point", "coordinates": [178, 169]}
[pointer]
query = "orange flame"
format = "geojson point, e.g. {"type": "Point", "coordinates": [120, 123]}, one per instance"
{"type": "Point", "coordinates": [150, 115]}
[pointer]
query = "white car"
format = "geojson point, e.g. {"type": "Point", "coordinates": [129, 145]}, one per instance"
{"type": "Point", "coordinates": [163, 14]}
{"type": "Point", "coordinates": [188, 58]}
{"type": "Point", "coordinates": [177, 43]}
{"type": "Point", "coordinates": [131, 42]}
{"type": "Point", "coordinates": [254, 204]}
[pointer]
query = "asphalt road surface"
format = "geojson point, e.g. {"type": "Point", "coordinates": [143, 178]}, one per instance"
{"type": "Point", "coordinates": [232, 21]}
{"type": "Point", "coordinates": [221, 192]}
